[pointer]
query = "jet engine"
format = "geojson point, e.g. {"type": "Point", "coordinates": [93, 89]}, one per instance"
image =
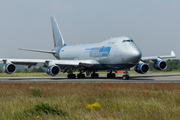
{"type": "Point", "coordinates": [53, 70]}
{"type": "Point", "coordinates": [160, 65]}
{"type": "Point", "coordinates": [9, 68]}
{"type": "Point", "coordinates": [142, 68]}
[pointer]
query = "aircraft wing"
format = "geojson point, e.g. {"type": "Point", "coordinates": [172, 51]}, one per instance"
{"type": "Point", "coordinates": [155, 58]}
{"type": "Point", "coordinates": [48, 62]}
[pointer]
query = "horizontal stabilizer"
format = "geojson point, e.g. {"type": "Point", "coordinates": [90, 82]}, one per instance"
{"type": "Point", "coordinates": [42, 51]}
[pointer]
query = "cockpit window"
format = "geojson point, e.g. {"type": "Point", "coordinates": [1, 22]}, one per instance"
{"type": "Point", "coordinates": [127, 40]}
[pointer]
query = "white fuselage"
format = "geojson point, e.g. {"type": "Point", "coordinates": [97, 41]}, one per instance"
{"type": "Point", "coordinates": [115, 53]}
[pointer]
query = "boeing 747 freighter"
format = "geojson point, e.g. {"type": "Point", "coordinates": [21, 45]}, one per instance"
{"type": "Point", "coordinates": [119, 53]}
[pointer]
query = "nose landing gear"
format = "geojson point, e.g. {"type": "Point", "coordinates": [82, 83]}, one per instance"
{"type": "Point", "coordinates": [126, 75]}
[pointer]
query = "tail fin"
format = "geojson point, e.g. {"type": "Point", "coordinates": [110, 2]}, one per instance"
{"type": "Point", "coordinates": [58, 39]}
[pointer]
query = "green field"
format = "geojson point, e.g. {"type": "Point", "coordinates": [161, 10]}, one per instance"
{"type": "Point", "coordinates": [27, 101]}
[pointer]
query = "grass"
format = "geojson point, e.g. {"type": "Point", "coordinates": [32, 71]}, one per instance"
{"type": "Point", "coordinates": [22, 74]}
{"type": "Point", "coordinates": [114, 100]}
{"type": "Point", "coordinates": [44, 108]}
{"type": "Point", "coordinates": [26, 74]}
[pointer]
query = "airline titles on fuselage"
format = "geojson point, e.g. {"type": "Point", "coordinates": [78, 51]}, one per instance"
{"type": "Point", "coordinates": [98, 51]}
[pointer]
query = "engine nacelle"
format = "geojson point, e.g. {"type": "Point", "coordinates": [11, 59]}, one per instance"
{"type": "Point", "coordinates": [53, 70]}
{"type": "Point", "coordinates": [160, 65]}
{"type": "Point", "coordinates": [9, 68]}
{"type": "Point", "coordinates": [142, 68]}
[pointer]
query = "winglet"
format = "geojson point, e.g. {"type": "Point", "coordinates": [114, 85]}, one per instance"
{"type": "Point", "coordinates": [172, 53]}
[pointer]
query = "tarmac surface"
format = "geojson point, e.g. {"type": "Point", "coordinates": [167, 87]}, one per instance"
{"type": "Point", "coordinates": [134, 78]}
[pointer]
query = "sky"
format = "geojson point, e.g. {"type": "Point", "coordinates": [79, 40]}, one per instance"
{"type": "Point", "coordinates": [154, 25]}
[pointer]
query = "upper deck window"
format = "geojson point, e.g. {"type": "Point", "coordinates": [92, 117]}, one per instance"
{"type": "Point", "coordinates": [127, 40]}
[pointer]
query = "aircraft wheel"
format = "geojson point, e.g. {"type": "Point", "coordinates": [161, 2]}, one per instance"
{"type": "Point", "coordinates": [80, 76]}
{"type": "Point", "coordinates": [71, 76]}
{"type": "Point", "coordinates": [94, 75]}
{"type": "Point", "coordinates": [68, 76]}
{"type": "Point", "coordinates": [112, 75]}
{"type": "Point", "coordinates": [83, 75]}
{"type": "Point", "coordinates": [125, 77]}
{"type": "Point", "coordinates": [108, 75]}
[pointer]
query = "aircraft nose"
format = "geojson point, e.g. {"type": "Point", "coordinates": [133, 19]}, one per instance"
{"type": "Point", "coordinates": [135, 56]}
{"type": "Point", "coordinates": [132, 56]}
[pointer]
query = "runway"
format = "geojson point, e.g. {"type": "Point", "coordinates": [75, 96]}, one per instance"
{"type": "Point", "coordinates": [134, 78]}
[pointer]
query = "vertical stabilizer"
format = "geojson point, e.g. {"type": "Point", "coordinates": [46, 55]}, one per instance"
{"type": "Point", "coordinates": [57, 36]}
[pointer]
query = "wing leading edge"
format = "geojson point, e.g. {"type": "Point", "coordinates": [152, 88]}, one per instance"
{"type": "Point", "coordinates": [155, 58]}
{"type": "Point", "coordinates": [61, 63]}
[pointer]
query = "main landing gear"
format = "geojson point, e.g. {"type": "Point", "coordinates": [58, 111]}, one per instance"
{"type": "Point", "coordinates": [71, 76]}
{"type": "Point", "coordinates": [81, 75]}
{"type": "Point", "coordinates": [94, 75]}
{"type": "Point", "coordinates": [125, 76]}
{"type": "Point", "coordinates": [111, 75]}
